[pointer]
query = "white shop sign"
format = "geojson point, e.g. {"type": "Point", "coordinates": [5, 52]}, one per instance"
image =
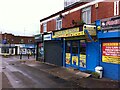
{"type": "Point", "coordinates": [47, 37]}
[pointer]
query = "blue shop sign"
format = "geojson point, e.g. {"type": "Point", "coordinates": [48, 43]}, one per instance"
{"type": "Point", "coordinates": [4, 41]}
{"type": "Point", "coordinates": [110, 24]}
{"type": "Point", "coordinates": [29, 46]}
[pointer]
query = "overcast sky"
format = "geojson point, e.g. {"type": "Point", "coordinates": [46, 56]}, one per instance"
{"type": "Point", "coordinates": [22, 17]}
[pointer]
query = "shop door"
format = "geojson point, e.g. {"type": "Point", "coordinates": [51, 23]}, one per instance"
{"type": "Point", "coordinates": [92, 55]}
{"type": "Point", "coordinates": [68, 53]}
{"type": "Point", "coordinates": [16, 50]}
{"type": "Point", "coordinates": [82, 54]}
{"type": "Point", "coordinates": [75, 54]}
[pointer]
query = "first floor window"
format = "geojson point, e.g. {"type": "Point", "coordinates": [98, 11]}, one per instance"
{"type": "Point", "coordinates": [58, 24]}
{"type": "Point", "coordinates": [45, 27]}
{"type": "Point", "coordinates": [86, 15]}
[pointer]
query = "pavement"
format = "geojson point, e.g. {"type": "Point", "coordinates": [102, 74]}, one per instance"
{"type": "Point", "coordinates": [82, 79]}
{"type": "Point", "coordinates": [79, 78]}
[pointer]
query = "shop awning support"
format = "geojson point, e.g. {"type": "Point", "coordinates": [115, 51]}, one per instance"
{"type": "Point", "coordinates": [89, 36]}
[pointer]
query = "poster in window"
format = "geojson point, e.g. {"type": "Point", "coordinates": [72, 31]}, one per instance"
{"type": "Point", "coordinates": [83, 60]}
{"type": "Point", "coordinates": [111, 52]}
{"type": "Point", "coordinates": [67, 58]}
{"type": "Point", "coordinates": [75, 60]}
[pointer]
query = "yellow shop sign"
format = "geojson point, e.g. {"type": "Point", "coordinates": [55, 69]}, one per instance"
{"type": "Point", "coordinates": [75, 31]}
{"type": "Point", "coordinates": [68, 33]}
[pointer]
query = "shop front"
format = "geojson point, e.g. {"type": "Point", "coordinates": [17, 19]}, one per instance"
{"type": "Point", "coordinates": [39, 47]}
{"type": "Point", "coordinates": [75, 53]}
{"type": "Point", "coordinates": [109, 37]}
{"type": "Point", "coordinates": [8, 49]}
{"type": "Point", "coordinates": [30, 48]}
{"type": "Point", "coordinates": [80, 47]}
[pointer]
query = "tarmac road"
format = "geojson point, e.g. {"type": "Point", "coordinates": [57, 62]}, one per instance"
{"type": "Point", "coordinates": [19, 75]}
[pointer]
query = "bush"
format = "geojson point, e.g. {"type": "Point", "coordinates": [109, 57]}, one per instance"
{"type": "Point", "coordinates": [95, 74]}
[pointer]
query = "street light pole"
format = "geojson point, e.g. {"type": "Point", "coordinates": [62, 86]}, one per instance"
{"type": "Point", "coordinates": [24, 31]}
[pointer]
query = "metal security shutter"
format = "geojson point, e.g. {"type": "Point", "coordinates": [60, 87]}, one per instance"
{"type": "Point", "coordinates": [53, 52]}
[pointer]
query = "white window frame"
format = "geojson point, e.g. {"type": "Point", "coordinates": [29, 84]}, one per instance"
{"type": "Point", "coordinates": [86, 10]}
{"type": "Point", "coordinates": [116, 8]}
{"type": "Point", "coordinates": [58, 25]}
{"type": "Point", "coordinates": [44, 27]}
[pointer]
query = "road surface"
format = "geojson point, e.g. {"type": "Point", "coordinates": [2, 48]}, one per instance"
{"type": "Point", "coordinates": [19, 75]}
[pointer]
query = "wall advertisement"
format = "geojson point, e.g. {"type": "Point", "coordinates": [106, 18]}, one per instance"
{"type": "Point", "coordinates": [111, 52]}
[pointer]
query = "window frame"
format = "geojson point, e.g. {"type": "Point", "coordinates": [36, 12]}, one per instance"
{"type": "Point", "coordinates": [58, 25]}
{"type": "Point", "coordinates": [45, 27]}
{"type": "Point", "coordinates": [88, 12]}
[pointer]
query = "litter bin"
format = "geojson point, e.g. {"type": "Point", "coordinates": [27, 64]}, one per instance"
{"type": "Point", "coordinates": [99, 70]}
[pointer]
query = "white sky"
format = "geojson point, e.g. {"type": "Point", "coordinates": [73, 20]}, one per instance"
{"type": "Point", "coordinates": [22, 17]}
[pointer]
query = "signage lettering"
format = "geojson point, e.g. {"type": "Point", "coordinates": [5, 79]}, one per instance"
{"type": "Point", "coordinates": [111, 52]}
{"type": "Point", "coordinates": [111, 24]}
{"type": "Point", "coordinates": [75, 31]}
{"type": "Point", "coordinates": [47, 37]}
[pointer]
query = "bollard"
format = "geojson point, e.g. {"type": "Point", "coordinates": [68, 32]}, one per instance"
{"type": "Point", "coordinates": [21, 56]}
{"type": "Point", "coordinates": [99, 70]}
{"type": "Point", "coordinates": [34, 55]}
{"type": "Point", "coordinates": [28, 55]}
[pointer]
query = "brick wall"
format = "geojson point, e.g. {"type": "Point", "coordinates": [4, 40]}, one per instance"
{"type": "Point", "coordinates": [41, 28]}
{"type": "Point", "coordinates": [51, 25]}
{"type": "Point", "coordinates": [16, 39]}
{"type": "Point", "coordinates": [104, 10]}
{"type": "Point", "coordinates": [67, 20]}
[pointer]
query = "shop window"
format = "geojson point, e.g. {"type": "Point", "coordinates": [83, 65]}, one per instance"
{"type": "Point", "coordinates": [29, 41]}
{"type": "Point", "coordinates": [40, 50]}
{"type": "Point", "coordinates": [58, 24]}
{"type": "Point", "coordinates": [44, 27]}
{"type": "Point", "coordinates": [68, 44]}
{"type": "Point", "coordinates": [0, 41]}
{"type": "Point", "coordinates": [75, 47]}
{"type": "Point", "coordinates": [82, 47]}
{"type": "Point", "coordinates": [12, 50]}
{"type": "Point", "coordinates": [86, 15]}
{"type": "Point", "coordinates": [22, 41]}
{"type": "Point", "coordinates": [5, 50]}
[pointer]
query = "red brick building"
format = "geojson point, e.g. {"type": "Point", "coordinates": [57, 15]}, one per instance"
{"type": "Point", "coordinates": [12, 44]}
{"type": "Point", "coordinates": [68, 43]}
{"type": "Point", "coordinates": [75, 13]}
{"type": "Point", "coordinates": [12, 39]}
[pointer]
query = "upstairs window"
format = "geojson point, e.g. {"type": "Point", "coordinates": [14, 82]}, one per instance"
{"type": "Point", "coordinates": [116, 8]}
{"type": "Point", "coordinates": [44, 27]}
{"type": "Point", "coordinates": [29, 41]}
{"type": "Point", "coordinates": [22, 41]}
{"type": "Point", "coordinates": [86, 15]}
{"type": "Point", "coordinates": [70, 2]}
{"type": "Point", "coordinates": [58, 24]}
